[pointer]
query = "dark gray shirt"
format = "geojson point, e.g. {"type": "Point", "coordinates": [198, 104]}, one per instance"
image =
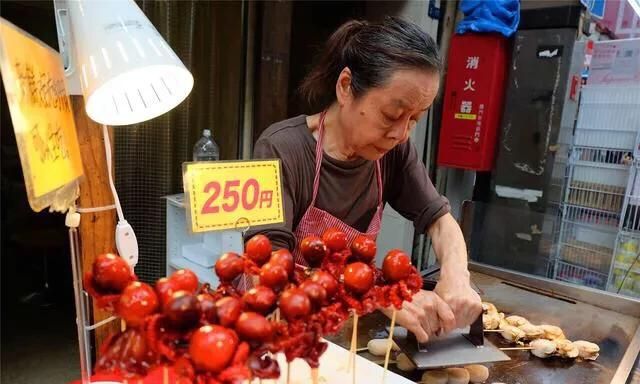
{"type": "Point", "coordinates": [348, 189]}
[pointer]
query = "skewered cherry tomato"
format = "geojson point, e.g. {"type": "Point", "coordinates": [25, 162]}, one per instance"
{"type": "Point", "coordinates": [313, 250]}
{"type": "Point", "coordinates": [182, 310]}
{"type": "Point", "coordinates": [396, 265]}
{"type": "Point", "coordinates": [138, 300]}
{"type": "Point", "coordinates": [258, 249]}
{"type": "Point", "coordinates": [208, 307]}
{"type": "Point", "coordinates": [273, 276]}
{"type": "Point", "coordinates": [185, 280]}
{"type": "Point", "coordinates": [364, 249]}
{"type": "Point", "coordinates": [328, 282]}
{"type": "Point", "coordinates": [335, 239]}
{"type": "Point", "coordinates": [228, 309]}
{"type": "Point", "coordinates": [229, 266]}
{"type": "Point", "coordinates": [111, 272]}
{"type": "Point", "coordinates": [358, 277]}
{"type": "Point", "coordinates": [165, 288]}
{"type": "Point", "coordinates": [212, 347]}
{"type": "Point", "coordinates": [260, 299]}
{"type": "Point", "coordinates": [283, 258]}
{"type": "Point", "coordinates": [294, 304]}
{"type": "Point", "coordinates": [317, 294]}
{"type": "Point", "coordinates": [254, 327]}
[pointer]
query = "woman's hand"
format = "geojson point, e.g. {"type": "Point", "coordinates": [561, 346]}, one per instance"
{"type": "Point", "coordinates": [426, 315]}
{"type": "Point", "coordinates": [465, 303]}
{"type": "Point", "coordinates": [454, 286]}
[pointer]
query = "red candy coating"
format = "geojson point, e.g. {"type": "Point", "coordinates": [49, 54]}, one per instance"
{"type": "Point", "coordinates": [273, 276]}
{"type": "Point", "coordinates": [335, 239]}
{"type": "Point", "coordinates": [313, 250]}
{"type": "Point", "coordinates": [283, 258]}
{"type": "Point", "coordinates": [260, 299]}
{"type": "Point", "coordinates": [364, 249]}
{"type": "Point", "coordinates": [229, 266]}
{"type": "Point", "coordinates": [252, 326]}
{"type": "Point", "coordinates": [316, 292]}
{"type": "Point", "coordinates": [358, 277]}
{"type": "Point", "coordinates": [111, 273]}
{"type": "Point", "coordinates": [294, 304]}
{"type": "Point", "coordinates": [328, 282]}
{"type": "Point", "coordinates": [396, 266]}
{"type": "Point", "coordinates": [228, 309]}
{"type": "Point", "coordinates": [212, 347]}
{"type": "Point", "coordinates": [258, 249]}
{"type": "Point", "coordinates": [138, 300]}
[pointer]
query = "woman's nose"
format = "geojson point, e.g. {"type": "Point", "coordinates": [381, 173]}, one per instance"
{"type": "Point", "coordinates": [401, 130]}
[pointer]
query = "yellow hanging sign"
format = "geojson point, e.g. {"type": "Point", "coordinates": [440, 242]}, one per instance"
{"type": "Point", "coordinates": [34, 82]}
{"type": "Point", "coordinates": [233, 194]}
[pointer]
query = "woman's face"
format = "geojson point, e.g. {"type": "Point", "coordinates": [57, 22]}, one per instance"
{"type": "Point", "coordinates": [383, 117]}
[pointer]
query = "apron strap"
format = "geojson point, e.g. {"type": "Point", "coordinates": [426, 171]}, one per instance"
{"type": "Point", "coordinates": [319, 156]}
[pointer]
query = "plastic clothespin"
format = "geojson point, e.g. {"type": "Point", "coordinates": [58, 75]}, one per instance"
{"type": "Point", "coordinates": [72, 219]}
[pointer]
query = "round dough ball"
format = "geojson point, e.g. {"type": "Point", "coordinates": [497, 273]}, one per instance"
{"type": "Point", "coordinates": [404, 363]}
{"type": "Point", "coordinates": [511, 333]}
{"type": "Point", "coordinates": [436, 376]}
{"type": "Point", "coordinates": [477, 373]}
{"type": "Point", "coordinates": [531, 331]}
{"type": "Point", "coordinates": [543, 348]}
{"type": "Point", "coordinates": [457, 376]}
{"type": "Point", "coordinates": [516, 321]}
{"type": "Point", "coordinates": [567, 349]}
{"type": "Point", "coordinates": [551, 332]}
{"type": "Point", "coordinates": [378, 347]}
{"type": "Point", "coordinates": [491, 320]}
{"type": "Point", "coordinates": [588, 350]}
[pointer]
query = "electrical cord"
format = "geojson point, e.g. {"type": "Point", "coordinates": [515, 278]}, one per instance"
{"type": "Point", "coordinates": [107, 148]}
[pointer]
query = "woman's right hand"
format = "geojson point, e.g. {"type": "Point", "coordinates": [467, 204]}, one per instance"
{"type": "Point", "coordinates": [426, 315]}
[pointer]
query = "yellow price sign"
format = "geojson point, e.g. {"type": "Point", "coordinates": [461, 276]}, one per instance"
{"type": "Point", "coordinates": [233, 194]}
{"type": "Point", "coordinates": [34, 81]}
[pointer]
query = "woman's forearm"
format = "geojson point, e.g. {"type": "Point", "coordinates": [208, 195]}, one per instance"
{"type": "Point", "coordinates": [449, 246]}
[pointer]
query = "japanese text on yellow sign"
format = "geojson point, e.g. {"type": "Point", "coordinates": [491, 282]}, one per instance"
{"type": "Point", "coordinates": [224, 195]}
{"type": "Point", "coordinates": [34, 81]}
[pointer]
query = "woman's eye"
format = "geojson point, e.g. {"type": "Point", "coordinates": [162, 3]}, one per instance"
{"type": "Point", "coordinates": [389, 119]}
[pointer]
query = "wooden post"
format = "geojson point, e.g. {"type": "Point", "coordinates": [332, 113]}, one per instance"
{"type": "Point", "coordinates": [96, 229]}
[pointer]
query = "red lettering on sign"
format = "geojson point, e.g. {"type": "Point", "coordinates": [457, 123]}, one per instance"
{"type": "Point", "coordinates": [249, 205]}
{"type": "Point", "coordinates": [249, 196]}
{"type": "Point", "coordinates": [266, 197]}
{"type": "Point", "coordinates": [208, 205]}
{"type": "Point", "coordinates": [229, 193]}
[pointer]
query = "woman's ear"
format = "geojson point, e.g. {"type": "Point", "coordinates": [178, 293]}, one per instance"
{"type": "Point", "coordinates": [344, 95]}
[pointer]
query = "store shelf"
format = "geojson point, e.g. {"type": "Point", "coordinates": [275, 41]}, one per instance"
{"type": "Point", "coordinates": [580, 275]}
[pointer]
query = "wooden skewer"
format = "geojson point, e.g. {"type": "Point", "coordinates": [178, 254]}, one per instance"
{"type": "Point", "coordinates": [288, 372]}
{"type": "Point", "coordinates": [516, 348]}
{"type": "Point", "coordinates": [493, 330]}
{"type": "Point", "coordinates": [389, 346]}
{"type": "Point", "coordinates": [165, 375]}
{"type": "Point", "coordinates": [354, 343]}
{"type": "Point", "coordinates": [315, 374]}
{"type": "Point", "coordinates": [362, 349]}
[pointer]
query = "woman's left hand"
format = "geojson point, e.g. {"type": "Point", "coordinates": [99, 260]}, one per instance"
{"type": "Point", "coordinates": [465, 303]}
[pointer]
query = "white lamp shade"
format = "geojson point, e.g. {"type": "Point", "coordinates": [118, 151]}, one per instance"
{"type": "Point", "coordinates": [127, 72]}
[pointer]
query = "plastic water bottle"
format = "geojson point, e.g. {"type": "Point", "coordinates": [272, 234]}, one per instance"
{"type": "Point", "coordinates": [206, 149]}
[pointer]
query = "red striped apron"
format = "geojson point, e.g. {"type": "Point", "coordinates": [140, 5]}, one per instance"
{"type": "Point", "coordinates": [315, 220]}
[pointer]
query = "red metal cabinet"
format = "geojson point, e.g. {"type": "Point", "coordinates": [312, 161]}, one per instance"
{"type": "Point", "coordinates": [473, 100]}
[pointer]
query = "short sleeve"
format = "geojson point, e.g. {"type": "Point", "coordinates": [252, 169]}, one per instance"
{"type": "Point", "coordinates": [409, 189]}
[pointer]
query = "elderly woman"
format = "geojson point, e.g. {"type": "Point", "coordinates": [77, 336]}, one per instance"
{"type": "Point", "coordinates": [373, 82]}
